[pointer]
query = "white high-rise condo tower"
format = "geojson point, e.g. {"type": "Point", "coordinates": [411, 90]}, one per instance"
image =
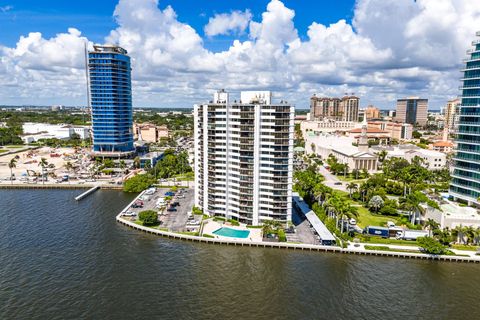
{"type": "Point", "coordinates": [244, 157]}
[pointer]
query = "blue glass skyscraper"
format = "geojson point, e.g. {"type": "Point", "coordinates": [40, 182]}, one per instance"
{"type": "Point", "coordinates": [465, 183]}
{"type": "Point", "coordinates": [111, 100]}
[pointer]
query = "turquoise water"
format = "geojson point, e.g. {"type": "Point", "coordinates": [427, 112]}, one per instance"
{"type": "Point", "coordinates": [232, 233]}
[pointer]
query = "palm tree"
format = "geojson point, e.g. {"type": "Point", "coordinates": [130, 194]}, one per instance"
{"type": "Point", "coordinates": [136, 162]}
{"type": "Point", "coordinates": [470, 233]}
{"type": "Point", "coordinates": [322, 192]}
{"type": "Point", "coordinates": [431, 225]}
{"type": "Point", "coordinates": [376, 203]}
{"type": "Point", "coordinates": [12, 164]}
{"type": "Point", "coordinates": [459, 232]}
{"type": "Point", "coordinates": [412, 204]}
{"type": "Point", "coordinates": [68, 166]}
{"type": "Point", "coordinates": [352, 186]}
{"type": "Point", "coordinates": [347, 212]}
{"type": "Point", "coordinates": [43, 163]}
{"type": "Point", "coordinates": [122, 165]}
{"type": "Point", "coordinates": [345, 169]}
{"type": "Point", "coordinates": [382, 155]}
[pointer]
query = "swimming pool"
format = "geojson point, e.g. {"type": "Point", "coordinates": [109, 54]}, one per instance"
{"type": "Point", "coordinates": [232, 233]}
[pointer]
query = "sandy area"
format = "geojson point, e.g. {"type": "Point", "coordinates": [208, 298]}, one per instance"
{"type": "Point", "coordinates": [29, 160]}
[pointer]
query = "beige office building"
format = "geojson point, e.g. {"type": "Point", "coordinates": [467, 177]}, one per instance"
{"type": "Point", "coordinates": [451, 115]}
{"type": "Point", "coordinates": [149, 132]}
{"type": "Point", "coordinates": [412, 110]}
{"type": "Point", "coordinates": [372, 112]}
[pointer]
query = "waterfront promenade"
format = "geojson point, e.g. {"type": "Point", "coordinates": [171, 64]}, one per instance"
{"type": "Point", "coordinates": [293, 246]}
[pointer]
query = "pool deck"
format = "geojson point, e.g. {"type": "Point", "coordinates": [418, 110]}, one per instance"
{"type": "Point", "coordinates": [210, 226]}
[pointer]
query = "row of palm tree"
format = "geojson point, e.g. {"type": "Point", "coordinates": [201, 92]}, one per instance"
{"type": "Point", "coordinates": [336, 205]}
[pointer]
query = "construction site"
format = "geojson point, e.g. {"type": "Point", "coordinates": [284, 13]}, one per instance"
{"type": "Point", "coordinates": [65, 166]}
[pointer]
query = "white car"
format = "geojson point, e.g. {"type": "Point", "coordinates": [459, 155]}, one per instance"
{"type": "Point", "coordinates": [150, 191]}
{"type": "Point", "coordinates": [352, 222]}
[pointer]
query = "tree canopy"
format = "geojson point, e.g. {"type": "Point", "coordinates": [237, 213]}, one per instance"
{"type": "Point", "coordinates": [148, 217]}
{"type": "Point", "coordinates": [138, 183]}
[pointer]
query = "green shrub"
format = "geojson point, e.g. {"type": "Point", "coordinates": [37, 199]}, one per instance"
{"type": "Point", "coordinates": [388, 211]}
{"type": "Point", "coordinates": [431, 246]}
{"type": "Point", "coordinates": [234, 222]}
{"type": "Point", "coordinates": [281, 236]}
{"type": "Point", "coordinates": [148, 217]}
{"type": "Point", "coordinates": [196, 210]}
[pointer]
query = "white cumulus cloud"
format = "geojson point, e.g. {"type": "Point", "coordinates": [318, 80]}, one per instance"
{"type": "Point", "coordinates": [235, 22]}
{"type": "Point", "coordinates": [392, 48]}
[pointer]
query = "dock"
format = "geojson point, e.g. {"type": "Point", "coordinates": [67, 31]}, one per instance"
{"type": "Point", "coordinates": [86, 193]}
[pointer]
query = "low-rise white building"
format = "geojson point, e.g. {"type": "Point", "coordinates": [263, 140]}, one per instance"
{"type": "Point", "coordinates": [434, 160]}
{"type": "Point", "coordinates": [328, 126]}
{"type": "Point", "coordinates": [33, 131]}
{"type": "Point", "coordinates": [452, 215]}
{"type": "Point", "coordinates": [326, 144]}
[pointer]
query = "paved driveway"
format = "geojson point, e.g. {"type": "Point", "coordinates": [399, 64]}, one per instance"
{"type": "Point", "coordinates": [331, 179]}
{"type": "Point", "coordinates": [303, 233]}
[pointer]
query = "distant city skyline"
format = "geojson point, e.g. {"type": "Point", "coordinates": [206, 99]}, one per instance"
{"type": "Point", "coordinates": [380, 50]}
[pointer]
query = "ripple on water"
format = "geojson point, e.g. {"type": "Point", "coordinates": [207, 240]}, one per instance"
{"type": "Point", "coordinates": [62, 259]}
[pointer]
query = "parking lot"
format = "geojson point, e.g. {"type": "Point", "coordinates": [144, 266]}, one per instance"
{"type": "Point", "coordinates": [303, 232]}
{"type": "Point", "coordinates": [171, 217]}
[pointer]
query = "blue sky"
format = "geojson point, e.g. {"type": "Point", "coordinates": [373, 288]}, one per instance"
{"type": "Point", "coordinates": [95, 18]}
{"type": "Point", "coordinates": [381, 50]}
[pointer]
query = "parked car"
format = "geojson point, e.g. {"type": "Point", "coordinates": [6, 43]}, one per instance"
{"type": "Point", "coordinates": [138, 204]}
{"type": "Point", "coordinates": [172, 209]}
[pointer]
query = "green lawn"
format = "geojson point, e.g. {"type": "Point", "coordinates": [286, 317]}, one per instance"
{"type": "Point", "coordinates": [366, 218]}
{"type": "Point", "coordinates": [185, 177]}
{"type": "Point", "coordinates": [385, 248]}
{"type": "Point", "coordinates": [379, 240]}
{"type": "Point", "coordinates": [15, 147]}
{"type": "Point", "coordinates": [350, 179]}
{"type": "Point", "coordinates": [464, 247]}
{"type": "Point", "coordinates": [3, 150]}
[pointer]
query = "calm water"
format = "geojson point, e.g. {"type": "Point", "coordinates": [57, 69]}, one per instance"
{"type": "Point", "coordinates": [60, 259]}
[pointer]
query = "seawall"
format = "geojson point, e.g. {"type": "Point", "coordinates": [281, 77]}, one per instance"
{"type": "Point", "coordinates": [291, 246]}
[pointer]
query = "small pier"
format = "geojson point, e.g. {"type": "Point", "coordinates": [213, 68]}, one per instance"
{"type": "Point", "coordinates": [86, 193]}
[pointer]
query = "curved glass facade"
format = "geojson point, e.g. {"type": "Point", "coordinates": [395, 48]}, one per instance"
{"type": "Point", "coordinates": [465, 183]}
{"type": "Point", "coordinates": [111, 99]}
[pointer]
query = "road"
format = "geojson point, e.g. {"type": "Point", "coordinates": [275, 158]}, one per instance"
{"type": "Point", "coordinates": [331, 179]}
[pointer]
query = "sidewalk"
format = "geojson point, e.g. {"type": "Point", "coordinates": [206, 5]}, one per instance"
{"type": "Point", "coordinates": [361, 247]}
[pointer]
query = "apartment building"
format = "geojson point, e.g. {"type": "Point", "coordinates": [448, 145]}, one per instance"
{"type": "Point", "coordinates": [340, 109]}
{"type": "Point", "coordinates": [412, 110]}
{"type": "Point", "coordinates": [244, 157]}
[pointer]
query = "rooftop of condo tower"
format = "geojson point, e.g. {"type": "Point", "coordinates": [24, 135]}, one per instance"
{"type": "Point", "coordinates": [103, 48]}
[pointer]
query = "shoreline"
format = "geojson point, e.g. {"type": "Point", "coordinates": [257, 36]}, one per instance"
{"type": "Point", "coordinates": [291, 246]}
{"type": "Point", "coordinates": [59, 186]}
